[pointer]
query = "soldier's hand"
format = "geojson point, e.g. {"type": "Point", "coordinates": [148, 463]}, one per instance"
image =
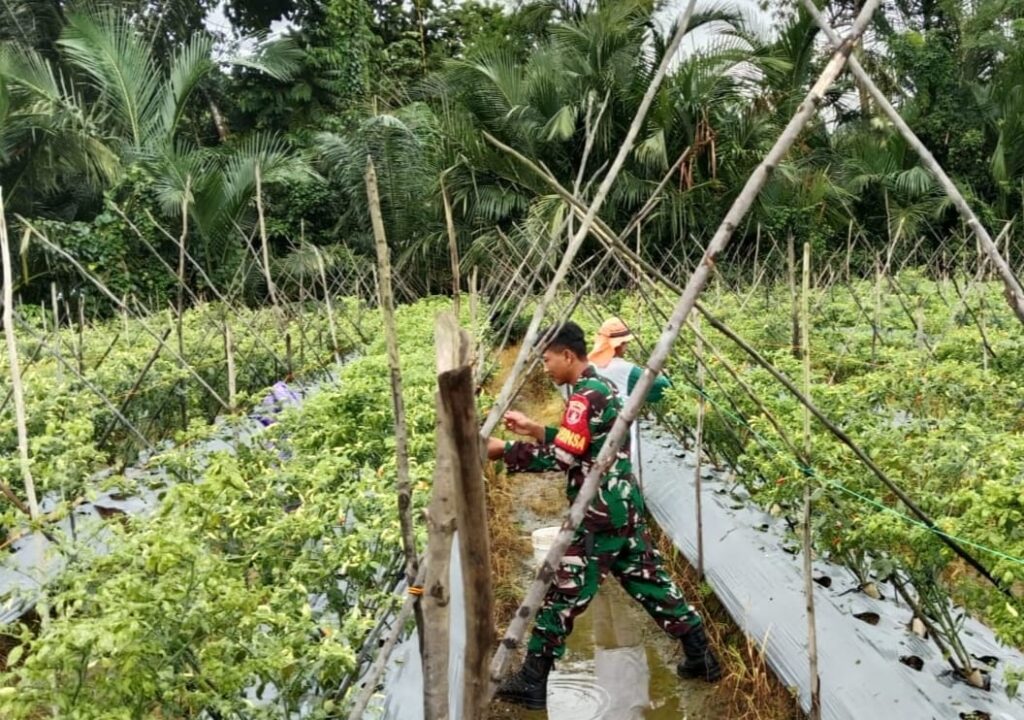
{"type": "Point", "coordinates": [518, 423]}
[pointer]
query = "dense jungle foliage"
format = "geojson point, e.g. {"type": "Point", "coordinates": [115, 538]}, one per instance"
{"type": "Point", "coordinates": [120, 120]}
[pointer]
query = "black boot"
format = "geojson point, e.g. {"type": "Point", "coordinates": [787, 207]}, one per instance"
{"type": "Point", "coordinates": [529, 686]}
{"type": "Point", "coordinates": [700, 661]}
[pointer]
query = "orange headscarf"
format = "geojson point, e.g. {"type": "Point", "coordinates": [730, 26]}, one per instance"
{"type": "Point", "coordinates": [613, 333]}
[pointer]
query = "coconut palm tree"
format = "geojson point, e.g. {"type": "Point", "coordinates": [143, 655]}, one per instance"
{"type": "Point", "coordinates": [105, 108]}
{"type": "Point", "coordinates": [587, 74]}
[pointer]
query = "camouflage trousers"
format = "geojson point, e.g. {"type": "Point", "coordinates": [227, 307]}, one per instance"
{"type": "Point", "coordinates": [629, 555]}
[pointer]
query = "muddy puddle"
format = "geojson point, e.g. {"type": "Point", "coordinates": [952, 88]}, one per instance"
{"type": "Point", "coordinates": [618, 664]}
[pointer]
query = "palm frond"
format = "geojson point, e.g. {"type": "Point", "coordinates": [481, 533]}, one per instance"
{"type": "Point", "coordinates": [187, 68]}
{"type": "Point", "coordinates": [105, 47]}
{"type": "Point", "coordinates": [279, 58]}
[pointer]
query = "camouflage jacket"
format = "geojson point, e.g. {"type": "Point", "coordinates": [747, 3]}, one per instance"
{"type": "Point", "coordinates": [574, 446]}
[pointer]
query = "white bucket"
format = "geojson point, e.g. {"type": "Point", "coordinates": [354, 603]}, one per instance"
{"type": "Point", "coordinates": [542, 539]}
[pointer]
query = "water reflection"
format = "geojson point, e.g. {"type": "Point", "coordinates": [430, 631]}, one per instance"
{"type": "Point", "coordinates": [620, 658]}
{"type": "Point", "coordinates": [605, 675]}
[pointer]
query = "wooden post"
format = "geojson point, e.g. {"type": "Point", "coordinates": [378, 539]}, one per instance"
{"type": "Point", "coordinates": [403, 485]}
{"type": "Point", "coordinates": [699, 443]}
{"type": "Point", "coordinates": [15, 365]}
{"type": "Point", "coordinates": [441, 523]}
{"type": "Point", "coordinates": [812, 638]}
{"type": "Point", "coordinates": [458, 404]}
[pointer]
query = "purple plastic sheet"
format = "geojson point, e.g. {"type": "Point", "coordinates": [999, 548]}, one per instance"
{"type": "Point", "coordinates": [279, 397]}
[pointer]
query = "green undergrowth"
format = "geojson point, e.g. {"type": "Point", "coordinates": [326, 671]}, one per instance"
{"type": "Point", "coordinates": [250, 591]}
{"type": "Point", "coordinates": [939, 414]}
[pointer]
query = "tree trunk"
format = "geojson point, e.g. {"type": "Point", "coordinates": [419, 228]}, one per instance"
{"type": "Point", "coordinates": [219, 122]}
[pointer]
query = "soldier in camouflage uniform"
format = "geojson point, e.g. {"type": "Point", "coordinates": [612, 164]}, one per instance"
{"type": "Point", "coordinates": [613, 537]}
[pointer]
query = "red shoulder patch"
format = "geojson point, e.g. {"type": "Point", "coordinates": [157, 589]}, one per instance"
{"type": "Point", "coordinates": [574, 434]}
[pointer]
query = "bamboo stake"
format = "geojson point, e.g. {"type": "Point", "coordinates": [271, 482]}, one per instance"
{"type": "Point", "coordinates": [812, 635]}
{"type": "Point", "coordinates": [123, 306]}
{"type": "Point", "coordinates": [387, 305]}
{"type": "Point", "coordinates": [264, 247]}
{"type": "Point", "coordinates": [15, 366]}
{"type": "Point", "coordinates": [81, 334]}
{"type": "Point", "coordinates": [377, 669]}
{"type": "Point", "coordinates": [453, 249]}
{"type": "Point", "coordinates": [1014, 292]}
{"type": "Point", "coordinates": [658, 357]}
{"type": "Point", "coordinates": [698, 443]}
{"type": "Point", "coordinates": [180, 307]}
{"type": "Point", "coordinates": [229, 352]}
{"type": "Point", "coordinates": [794, 298]}
{"type": "Point", "coordinates": [876, 336]}
{"type": "Point", "coordinates": [56, 330]}
{"type": "Point", "coordinates": [981, 329]}
{"type": "Point", "coordinates": [588, 143]}
{"type": "Point", "coordinates": [474, 319]}
{"type": "Point", "coordinates": [504, 395]}
{"type": "Point", "coordinates": [919, 336]}
{"type": "Point", "coordinates": [849, 249]}
{"type": "Point", "coordinates": [327, 301]}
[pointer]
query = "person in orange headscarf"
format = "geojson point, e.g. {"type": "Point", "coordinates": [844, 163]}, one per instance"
{"type": "Point", "coordinates": [608, 357]}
